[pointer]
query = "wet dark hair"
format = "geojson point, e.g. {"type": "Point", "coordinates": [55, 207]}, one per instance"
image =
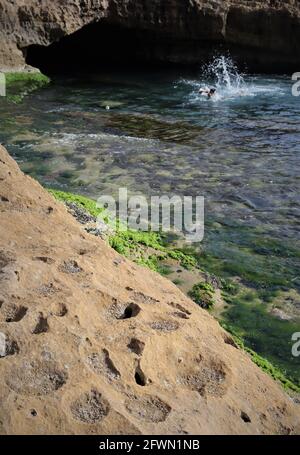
{"type": "Point", "coordinates": [212, 90]}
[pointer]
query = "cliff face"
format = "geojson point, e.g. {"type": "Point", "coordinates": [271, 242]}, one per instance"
{"type": "Point", "coordinates": [265, 34]}
{"type": "Point", "coordinates": [91, 343]}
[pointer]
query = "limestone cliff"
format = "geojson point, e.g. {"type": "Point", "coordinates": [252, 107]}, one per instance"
{"type": "Point", "coordinates": [263, 34]}
{"type": "Point", "coordinates": [91, 343]}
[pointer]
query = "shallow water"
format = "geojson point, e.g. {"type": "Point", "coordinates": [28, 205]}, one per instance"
{"type": "Point", "coordinates": [240, 150]}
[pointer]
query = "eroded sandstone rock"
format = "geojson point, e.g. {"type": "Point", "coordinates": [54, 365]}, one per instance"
{"type": "Point", "coordinates": [99, 349]}
{"type": "Point", "coordinates": [264, 34]}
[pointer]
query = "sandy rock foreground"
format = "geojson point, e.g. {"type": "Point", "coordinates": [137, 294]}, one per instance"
{"type": "Point", "coordinates": [91, 343]}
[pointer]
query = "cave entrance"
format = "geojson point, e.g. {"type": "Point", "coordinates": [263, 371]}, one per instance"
{"type": "Point", "coordinates": [98, 46]}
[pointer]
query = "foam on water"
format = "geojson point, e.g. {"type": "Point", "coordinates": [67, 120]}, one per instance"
{"type": "Point", "coordinates": [72, 138]}
{"type": "Point", "coordinates": [222, 74]}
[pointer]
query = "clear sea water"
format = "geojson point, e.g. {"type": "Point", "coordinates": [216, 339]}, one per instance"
{"type": "Point", "coordinates": [241, 150]}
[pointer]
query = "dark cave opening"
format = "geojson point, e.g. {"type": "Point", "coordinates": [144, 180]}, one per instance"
{"type": "Point", "coordinates": [106, 45]}
{"type": "Point", "coordinates": [103, 45]}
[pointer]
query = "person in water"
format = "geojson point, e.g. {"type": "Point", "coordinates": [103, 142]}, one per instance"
{"type": "Point", "coordinates": [209, 92]}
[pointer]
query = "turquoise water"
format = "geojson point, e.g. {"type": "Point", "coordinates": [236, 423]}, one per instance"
{"type": "Point", "coordinates": [240, 150]}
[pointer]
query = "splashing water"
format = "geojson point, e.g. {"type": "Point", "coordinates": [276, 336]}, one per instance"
{"type": "Point", "coordinates": [223, 75]}
{"type": "Point", "coordinates": [226, 78]}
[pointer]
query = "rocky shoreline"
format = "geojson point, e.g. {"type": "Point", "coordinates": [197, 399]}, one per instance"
{"type": "Point", "coordinates": [97, 344]}
{"type": "Point", "coordinates": [238, 299]}
{"type": "Point", "coordinates": [153, 252]}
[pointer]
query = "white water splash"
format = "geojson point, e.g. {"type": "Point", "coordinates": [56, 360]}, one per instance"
{"type": "Point", "coordinates": [226, 78]}
{"type": "Point", "coordinates": [223, 75]}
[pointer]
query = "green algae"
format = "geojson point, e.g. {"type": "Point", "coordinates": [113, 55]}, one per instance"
{"type": "Point", "coordinates": [187, 261]}
{"type": "Point", "coordinates": [259, 260]}
{"type": "Point", "coordinates": [229, 287]}
{"type": "Point", "coordinates": [276, 373]}
{"type": "Point", "coordinates": [177, 282]}
{"type": "Point", "coordinates": [263, 333]}
{"type": "Point", "coordinates": [88, 204]}
{"type": "Point", "coordinates": [20, 84]}
{"type": "Point", "coordinates": [202, 294]}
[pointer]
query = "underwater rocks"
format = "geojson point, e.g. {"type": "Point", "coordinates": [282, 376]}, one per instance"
{"type": "Point", "coordinates": [264, 34]}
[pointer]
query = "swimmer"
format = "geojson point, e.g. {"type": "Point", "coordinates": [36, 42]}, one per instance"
{"type": "Point", "coordinates": [209, 92]}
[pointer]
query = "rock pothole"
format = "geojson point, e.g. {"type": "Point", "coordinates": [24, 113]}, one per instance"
{"type": "Point", "coordinates": [165, 326]}
{"type": "Point", "coordinates": [211, 379]}
{"type": "Point", "coordinates": [60, 309]}
{"type": "Point", "coordinates": [44, 259]}
{"type": "Point", "coordinates": [90, 407]}
{"type": "Point", "coordinates": [8, 346]}
{"type": "Point", "coordinates": [36, 378]}
{"type": "Point", "coordinates": [140, 377]}
{"type": "Point", "coordinates": [245, 417]}
{"type": "Point", "coordinates": [136, 346]}
{"type": "Point", "coordinates": [124, 311]}
{"type": "Point", "coordinates": [12, 312]}
{"type": "Point", "coordinates": [130, 311]}
{"type": "Point", "coordinates": [101, 363]}
{"type": "Point", "coordinates": [179, 307]}
{"type": "Point", "coordinates": [49, 210]}
{"type": "Point", "coordinates": [148, 408]}
{"type": "Point", "coordinates": [141, 298]}
{"type": "Point", "coordinates": [5, 259]}
{"type": "Point", "coordinates": [48, 289]}
{"type": "Point", "coordinates": [41, 325]}
{"type": "Point", "coordinates": [71, 267]}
